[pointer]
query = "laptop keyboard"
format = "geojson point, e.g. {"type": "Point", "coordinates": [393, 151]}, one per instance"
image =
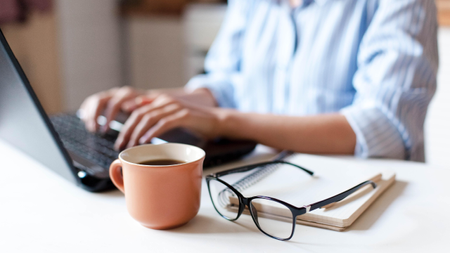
{"type": "Point", "coordinates": [93, 147]}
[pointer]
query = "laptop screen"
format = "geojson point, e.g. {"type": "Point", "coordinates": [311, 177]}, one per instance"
{"type": "Point", "coordinates": [23, 122]}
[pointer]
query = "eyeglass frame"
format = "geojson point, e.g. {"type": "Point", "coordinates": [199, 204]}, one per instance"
{"type": "Point", "coordinates": [296, 211]}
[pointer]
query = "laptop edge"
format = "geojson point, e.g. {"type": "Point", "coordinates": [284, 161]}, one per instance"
{"type": "Point", "coordinates": [64, 166]}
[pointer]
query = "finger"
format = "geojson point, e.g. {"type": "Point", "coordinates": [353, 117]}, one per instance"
{"type": "Point", "coordinates": [100, 107]}
{"type": "Point", "coordinates": [133, 104]}
{"type": "Point", "coordinates": [86, 110]}
{"type": "Point", "coordinates": [96, 107]}
{"type": "Point", "coordinates": [175, 120]}
{"type": "Point", "coordinates": [129, 126]}
{"type": "Point", "coordinates": [90, 112]}
{"type": "Point", "coordinates": [146, 123]}
{"type": "Point", "coordinates": [128, 129]}
{"type": "Point", "coordinates": [83, 112]}
{"type": "Point", "coordinates": [113, 106]}
{"type": "Point", "coordinates": [129, 105]}
{"type": "Point", "coordinates": [162, 100]}
{"type": "Point", "coordinates": [93, 106]}
{"type": "Point", "coordinates": [136, 116]}
{"type": "Point", "coordinates": [149, 120]}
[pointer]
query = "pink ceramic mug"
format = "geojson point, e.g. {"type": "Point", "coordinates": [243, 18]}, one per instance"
{"type": "Point", "coordinates": [160, 196]}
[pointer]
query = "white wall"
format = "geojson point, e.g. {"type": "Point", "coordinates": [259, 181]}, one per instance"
{"type": "Point", "coordinates": [437, 124]}
{"type": "Point", "coordinates": [201, 25]}
{"type": "Point", "coordinates": [167, 51]}
{"type": "Point", "coordinates": [155, 52]}
{"type": "Point", "coordinates": [90, 48]}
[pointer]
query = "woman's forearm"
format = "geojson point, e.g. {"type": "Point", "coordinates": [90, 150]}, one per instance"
{"type": "Point", "coordinates": [324, 134]}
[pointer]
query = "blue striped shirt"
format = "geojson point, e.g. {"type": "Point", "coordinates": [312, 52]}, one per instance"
{"type": "Point", "coordinates": [374, 61]}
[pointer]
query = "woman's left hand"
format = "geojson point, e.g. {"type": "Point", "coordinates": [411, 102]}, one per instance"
{"type": "Point", "coordinates": [165, 113]}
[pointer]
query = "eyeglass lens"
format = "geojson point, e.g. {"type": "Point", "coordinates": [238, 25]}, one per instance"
{"type": "Point", "coordinates": [226, 203]}
{"type": "Point", "coordinates": [224, 199]}
{"type": "Point", "coordinates": [261, 210]}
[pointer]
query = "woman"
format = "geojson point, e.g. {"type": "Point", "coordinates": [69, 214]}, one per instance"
{"type": "Point", "coordinates": [334, 77]}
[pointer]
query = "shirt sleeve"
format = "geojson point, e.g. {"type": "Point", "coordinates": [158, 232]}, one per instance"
{"type": "Point", "coordinates": [222, 63]}
{"type": "Point", "coordinates": [395, 80]}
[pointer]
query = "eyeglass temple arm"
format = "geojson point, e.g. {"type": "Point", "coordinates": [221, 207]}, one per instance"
{"type": "Point", "coordinates": [253, 166]}
{"type": "Point", "coordinates": [340, 196]}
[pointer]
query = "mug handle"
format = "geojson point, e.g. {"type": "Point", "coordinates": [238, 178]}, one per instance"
{"type": "Point", "coordinates": [116, 175]}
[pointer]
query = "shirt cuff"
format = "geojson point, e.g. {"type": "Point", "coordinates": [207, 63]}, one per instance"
{"type": "Point", "coordinates": [376, 136]}
{"type": "Point", "coordinates": [219, 86]}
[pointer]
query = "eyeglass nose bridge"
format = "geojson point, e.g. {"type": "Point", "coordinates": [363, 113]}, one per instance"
{"type": "Point", "coordinates": [243, 202]}
{"type": "Point", "coordinates": [247, 202]}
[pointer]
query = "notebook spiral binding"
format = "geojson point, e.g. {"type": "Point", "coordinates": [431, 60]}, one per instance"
{"type": "Point", "coordinates": [255, 177]}
{"type": "Point", "coordinates": [261, 173]}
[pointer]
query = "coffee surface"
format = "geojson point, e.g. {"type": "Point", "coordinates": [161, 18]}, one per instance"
{"type": "Point", "coordinates": [161, 162]}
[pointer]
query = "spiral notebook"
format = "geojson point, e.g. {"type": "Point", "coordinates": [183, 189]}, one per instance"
{"type": "Point", "coordinates": [331, 176]}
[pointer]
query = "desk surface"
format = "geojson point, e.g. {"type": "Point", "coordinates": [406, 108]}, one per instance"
{"type": "Point", "coordinates": [41, 212]}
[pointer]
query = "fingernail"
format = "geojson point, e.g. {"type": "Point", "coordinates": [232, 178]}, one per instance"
{"type": "Point", "coordinates": [142, 140]}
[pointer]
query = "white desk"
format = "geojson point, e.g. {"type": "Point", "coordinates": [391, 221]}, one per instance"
{"type": "Point", "coordinates": [41, 212]}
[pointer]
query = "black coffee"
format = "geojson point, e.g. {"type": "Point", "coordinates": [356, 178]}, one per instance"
{"type": "Point", "coordinates": [161, 162]}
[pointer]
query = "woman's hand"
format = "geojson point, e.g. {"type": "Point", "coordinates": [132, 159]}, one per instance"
{"type": "Point", "coordinates": [109, 102]}
{"type": "Point", "coordinates": [164, 113]}
{"type": "Point", "coordinates": [128, 99]}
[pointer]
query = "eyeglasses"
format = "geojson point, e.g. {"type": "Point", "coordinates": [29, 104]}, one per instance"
{"type": "Point", "coordinates": [230, 203]}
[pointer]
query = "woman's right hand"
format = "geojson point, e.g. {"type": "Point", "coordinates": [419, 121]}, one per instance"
{"type": "Point", "coordinates": [110, 102]}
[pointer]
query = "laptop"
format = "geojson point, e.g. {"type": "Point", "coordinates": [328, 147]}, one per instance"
{"type": "Point", "coordinates": [62, 143]}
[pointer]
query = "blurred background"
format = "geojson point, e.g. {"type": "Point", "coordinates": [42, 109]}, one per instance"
{"type": "Point", "coordinates": [70, 49]}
